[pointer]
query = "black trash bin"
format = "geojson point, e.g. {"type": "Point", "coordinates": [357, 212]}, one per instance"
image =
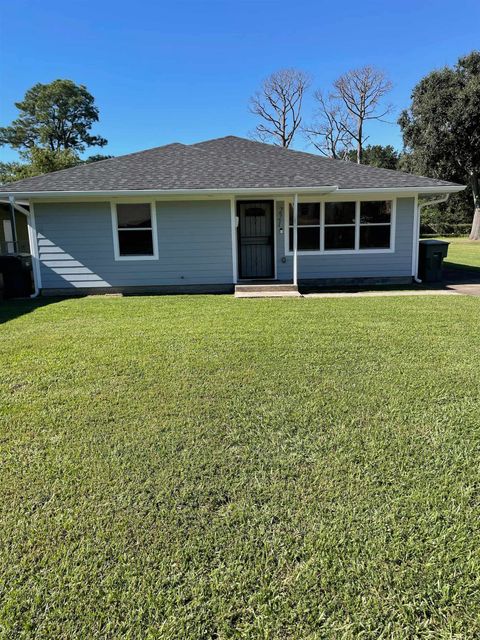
{"type": "Point", "coordinates": [430, 259]}
{"type": "Point", "coordinates": [17, 276]}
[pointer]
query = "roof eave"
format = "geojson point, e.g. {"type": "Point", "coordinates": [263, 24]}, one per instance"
{"type": "Point", "coordinates": [113, 193]}
{"type": "Point", "coordinates": [453, 188]}
{"type": "Point", "coordinates": [119, 193]}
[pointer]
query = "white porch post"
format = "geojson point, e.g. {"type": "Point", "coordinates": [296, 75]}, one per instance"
{"type": "Point", "coordinates": [295, 239]}
{"type": "Point", "coordinates": [14, 224]}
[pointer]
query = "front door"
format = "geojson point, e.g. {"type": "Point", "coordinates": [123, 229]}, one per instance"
{"type": "Point", "coordinates": [255, 239]}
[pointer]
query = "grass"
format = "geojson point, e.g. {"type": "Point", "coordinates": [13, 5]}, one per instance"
{"type": "Point", "coordinates": [462, 253]}
{"type": "Point", "coordinates": [212, 468]}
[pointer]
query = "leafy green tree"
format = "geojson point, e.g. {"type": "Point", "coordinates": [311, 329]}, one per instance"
{"type": "Point", "coordinates": [96, 158]}
{"type": "Point", "coordinates": [53, 128]}
{"type": "Point", "coordinates": [376, 155]}
{"type": "Point", "coordinates": [442, 127]}
{"type": "Point", "coordinates": [43, 161]}
{"type": "Point", "coordinates": [11, 171]}
{"type": "Point", "coordinates": [54, 116]}
{"type": "Point", "coordinates": [39, 161]}
{"type": "Point", "coordinates": [46, 160]}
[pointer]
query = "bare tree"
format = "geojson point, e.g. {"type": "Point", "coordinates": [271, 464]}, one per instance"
{"type": "Point", "coordinates": [329, 132]}
{"type": "Point", "coordinates": [279, 104]}
{"type": "Point", "coordinates": [361, 92]}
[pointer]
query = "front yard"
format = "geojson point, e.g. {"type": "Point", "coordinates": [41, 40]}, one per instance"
{"type": "Point", "coordinates": [205, 467]}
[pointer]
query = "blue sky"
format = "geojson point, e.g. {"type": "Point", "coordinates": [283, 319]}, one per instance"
{"type": "Point", "coordinates": [183, 70]}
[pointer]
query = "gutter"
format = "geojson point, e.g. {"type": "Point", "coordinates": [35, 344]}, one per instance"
{"type": "Point", "coordinates": [416, 235]}
{"type": "Point", "coordinates": [113, 193]}
{"type": "Point", "coordinates": [232, 192]}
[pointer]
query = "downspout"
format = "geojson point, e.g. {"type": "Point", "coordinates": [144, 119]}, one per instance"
{"type": "Point", "coordinates": [295, 239]}
{"type": "Point", "coordinates": [416, 234]}
{"type": "Point", "coordinates": [32, 239]}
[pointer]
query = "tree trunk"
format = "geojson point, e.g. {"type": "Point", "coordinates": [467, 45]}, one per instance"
{"type": "Point", "coordinates": [359, 140]}
{"type": "Point", "coordinates": [475, 231]}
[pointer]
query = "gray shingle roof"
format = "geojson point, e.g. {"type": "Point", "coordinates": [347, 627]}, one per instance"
{"type": "Point", "coordinates": [223, 163]}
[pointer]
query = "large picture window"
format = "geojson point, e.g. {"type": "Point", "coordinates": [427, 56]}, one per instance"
{"type": "Point", "coordinates": [134, 231]}
{"type": "Point", "coordinates": [343, 226]}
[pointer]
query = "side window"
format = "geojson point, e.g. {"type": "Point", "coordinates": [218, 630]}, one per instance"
{"type": "Point", "coordinates": [135, 230]}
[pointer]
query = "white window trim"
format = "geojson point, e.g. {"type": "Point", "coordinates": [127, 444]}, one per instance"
{"type": "Point", "coordinates": [153, 216]}
{"type": "Point", "coordinates": [343, 252]}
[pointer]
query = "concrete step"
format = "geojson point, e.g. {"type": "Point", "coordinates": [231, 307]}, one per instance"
{"type": "Point", "coordinates": [266, 291]}
{"type": "Point", "coordinates": [273, 287]}
{"type": "Point", "coordinates": [267, 294]}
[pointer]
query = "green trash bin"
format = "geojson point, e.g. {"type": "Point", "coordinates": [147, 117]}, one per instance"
{"type": "Point", "coordinates": [430, 259]}
{"type": "Point", "coordinates": [16, 275]}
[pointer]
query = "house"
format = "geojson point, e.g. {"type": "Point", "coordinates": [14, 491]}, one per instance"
{"type": "Point", "coordinates": [205, 216]}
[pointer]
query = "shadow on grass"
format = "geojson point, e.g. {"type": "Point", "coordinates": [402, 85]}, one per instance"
{"type": "Point", "coordinates": [462, 267]}
{"type": "Point", "coordinates": [14, 308]}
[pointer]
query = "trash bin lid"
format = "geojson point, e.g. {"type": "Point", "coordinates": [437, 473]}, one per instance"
{"type": "Point", "coordinates": [433, 242]}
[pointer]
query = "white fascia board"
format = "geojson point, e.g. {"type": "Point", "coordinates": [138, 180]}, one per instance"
{"type": "Point", "coordinates": [412, 190]}
{"type": "Point", "coordinates": [212, 193]}
{"type": "Point", "coordinates": [170, 192]}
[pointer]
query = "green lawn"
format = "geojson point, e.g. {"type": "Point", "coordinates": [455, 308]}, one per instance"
{"type": "Point", "coordinates": [211, 468]}
{"type": "Point", "coordinates": [462, 253]}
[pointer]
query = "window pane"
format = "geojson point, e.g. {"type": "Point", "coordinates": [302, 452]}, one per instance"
{"type": "Point", "coordinates": [339, 212]}
{"type": "Point", "coordinates": [375, 212]}
{"type": "Point", "coordinates": [135, 243]}
{"type": "Point", "coordinates": [308, 213]}
{"type": "Point", "coordinates": [133, 216]}
{"type": "Point", "coordinates": [339, 238]}
{"type": "Point", "coordinates": [375, 237]}
{"type": "Point", "coordinates": [308, 239]}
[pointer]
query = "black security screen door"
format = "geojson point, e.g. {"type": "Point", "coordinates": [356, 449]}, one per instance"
{"type": "Point", "coordinates": [255, 239]}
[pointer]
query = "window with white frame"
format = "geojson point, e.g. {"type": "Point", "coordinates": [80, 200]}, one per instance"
{"type": "Point", "coordinates": [340, 225]}
{"type": "Point", "coordinates": [134, 230]}
{"type": "Point", "coordinates": [308, 233]}
{"type": "Point", "coordinates": [375, 224]}
{"type": "Point", "coordinates": [343, 226]}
